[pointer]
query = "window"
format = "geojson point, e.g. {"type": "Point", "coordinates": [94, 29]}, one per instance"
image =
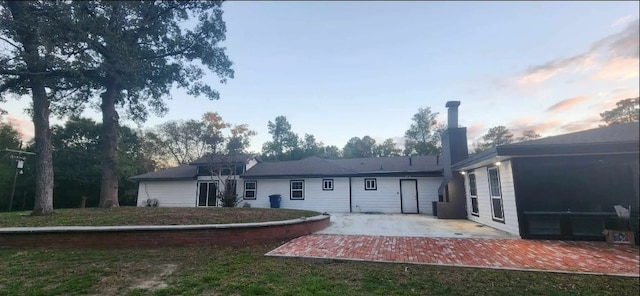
{"type": "Point", "coordinates": [250, 189]}
{"type": "Point", "coordinates": [496, 197]}
{"type": "Point", "coordinates": [370, 184]}
{"type": "Point", "coordinates": [327, 184]}
{"type": "Point", "coordinates": [207, 194]}
{"type": "Point", "coordinates": [473, 192]}
{"type": "Point", "coordinates": [297, 189]}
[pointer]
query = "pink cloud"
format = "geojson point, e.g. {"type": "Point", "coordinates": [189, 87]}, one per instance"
{"type": "Point", "coordinates": [524, 120]}
{"type": "Point", "coordinates": [518, 126]}
{"type": "Point", "coordinates": [567, 103]}
{"type": "Point", "coordinates": [580, 125]}
{"type": "Point", "coordinates": [619, 69]}
{"type": "Point", "coordinates": [615, 96]}
{"type": "Point", "coordinates": [615, 55]}
{"type": "Point", "coordinates": [475, 130]}
{"type": "Point", "coordinates": [24, 126]}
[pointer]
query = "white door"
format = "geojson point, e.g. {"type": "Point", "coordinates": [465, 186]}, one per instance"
{"type": "Point", "coordinates": [409, 196]}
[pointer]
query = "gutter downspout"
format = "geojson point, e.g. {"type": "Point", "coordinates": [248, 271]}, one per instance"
{"type": "Point", "coordinates": [350, 202]}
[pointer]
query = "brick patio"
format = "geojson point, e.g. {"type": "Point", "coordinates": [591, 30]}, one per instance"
{"type": "Point", "coordinates": [557, 256]}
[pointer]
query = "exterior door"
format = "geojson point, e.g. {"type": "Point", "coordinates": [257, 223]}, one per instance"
{"type": "Point", "coordinates": [409, 196]}
{"type": "Point", "coordinates": [207, 194]}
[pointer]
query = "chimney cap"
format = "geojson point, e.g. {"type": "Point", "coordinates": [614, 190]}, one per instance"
{"type": "Point", "coordinates": [452, 104]}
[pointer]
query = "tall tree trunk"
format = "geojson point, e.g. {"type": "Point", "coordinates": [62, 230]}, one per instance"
{"type": "Point", "coordinates": [44, 153]}
{"type": "Point", "coordinates": [28, 36]}
{"type": "Point", "coordinates": [109, 140]}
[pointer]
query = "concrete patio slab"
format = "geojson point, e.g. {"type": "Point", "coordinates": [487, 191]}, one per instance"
{"type": "Point", "coordinates": [515, 254]}
{"type": "Point", "coordinates": [408, 225]}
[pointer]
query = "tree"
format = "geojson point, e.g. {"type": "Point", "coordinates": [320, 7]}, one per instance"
{"type": "Point", "coordinates": [357, 147]}
{"type": "Point", "coordinates": [423, 136]}
{"type": "Point", "coordinates": [332, 152]}
{"type": "Point", "coordinates": [183, 141]}
{"type": "Point", "coordinates": [140, 49]}
{"type": "Point", "coordinates": [39, 62]}
{"type": "Point", "coordinates": [77, 162]}
{"type": "Point", "coordinates": [214, 125]}
{"type": "Point", "coordinates": [528, 135]}
{"type": "Point", "coordinates": [386, 149]}
{"type": "Point", "coordinates": [9, 138]}
{"type": "Point", "coordinates": [152, 150]}
{"type": "Point", "coordinates": [283, 139]}
{"type": "Point", "coordinates": [496, 136]}
{"type": "Point", "coordinates": [627, 110]}
{"type": "Point", "coordinates": [311, 147]}
{"type": "Point", "coordinates": [239, 140]}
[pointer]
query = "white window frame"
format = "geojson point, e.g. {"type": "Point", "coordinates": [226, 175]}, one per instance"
{"type": "Point", "coordinates": [216, 184]}
{"type": "Point", "coordinates": [370, 184]}
{"type": "Point", "coordinates": [291, 190]}
{"type": "Point", "coordinates": [254, 190]}
{"type": "Point", "coordinates": [327, 184]}
{"type": "Point", "coordinates": [472, 195]}
{"type": "Point", "coordinates": [495, 197]}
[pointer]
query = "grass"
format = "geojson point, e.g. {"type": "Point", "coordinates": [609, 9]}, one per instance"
{"type": "Point", "coordinates": [149, 216]}
{"type": "Point", "coordinates": [245, 271]}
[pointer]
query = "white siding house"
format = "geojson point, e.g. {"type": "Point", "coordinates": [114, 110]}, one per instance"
{"type": "Point", "coordinates": [192, 185]}
{"type": "Point", "coordinates": [387, 198]}
{"type": "Point", "coordinates": [180, 193]}
{"type": "Point", "coordinates": [506, 218]}
{"type": "Point", "coordinates": [314, 197]}
{"type": "Point", "coordinates": [359, 185]}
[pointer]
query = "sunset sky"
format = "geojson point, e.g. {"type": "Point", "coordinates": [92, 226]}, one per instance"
{"type": "Point", "coordinates": [343, 69]}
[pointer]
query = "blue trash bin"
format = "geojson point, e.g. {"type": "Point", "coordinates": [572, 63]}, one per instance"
{"type": "Point", "coordinates": [275, 199]}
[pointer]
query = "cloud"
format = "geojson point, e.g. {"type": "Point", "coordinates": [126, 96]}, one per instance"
{"type": "Point", "coordinates": [399, 141]}
{"type": "Point", "coordinates": [567, 103]}
{"type": "Point", "coordinates": [475, 130]}
{"type": "Point", "coordinates": [611, 98]}
{"type": "Point", "coordinates": [544, 127]}
{"type": "Point", "coordinates": [580, 125]}
{"type": "Point", "coordinates": [523, 120]}
{"type": "Point", "coordinates": [625, 43]}
{"type": "Point", "coordinates": [23, 126]}
{"type": "Point", "coordinates": [537, 74]}
{"type": "Point", "coordinates": [612, 54]}
{"type": "Point", "coordinates": [619, 69]}
{"type": "Point", "coordinates": [621, 21]}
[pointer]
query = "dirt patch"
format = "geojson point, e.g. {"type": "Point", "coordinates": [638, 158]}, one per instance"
{"type": "Point", "coordinates": [156, 281]}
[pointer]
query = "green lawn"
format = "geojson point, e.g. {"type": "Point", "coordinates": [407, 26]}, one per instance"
{"type": "Point", "coordinates": [149, 216]}
{"type": "Point", "coordinates": [245, 271]}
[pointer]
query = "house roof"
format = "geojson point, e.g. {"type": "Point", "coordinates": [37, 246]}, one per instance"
{"type": "Point", "coordinates": [617, 138]}
{"type": "Point", "coordinates": [320, 167]}
{"type": "Point", "coordinates": [216, 158]}
{"type": "Point", "coordinates": [183, 172]}
{"type": "Point", "coordinates": [390, 164]}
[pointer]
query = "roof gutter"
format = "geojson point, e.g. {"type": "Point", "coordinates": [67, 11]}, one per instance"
{"type": "Point", "coordinates": [350, 200]}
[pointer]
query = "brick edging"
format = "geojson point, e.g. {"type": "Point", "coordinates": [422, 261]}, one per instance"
{"type": "Point", "coordinates": [240, 234]}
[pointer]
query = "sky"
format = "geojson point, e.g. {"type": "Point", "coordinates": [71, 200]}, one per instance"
{"type": "Point", "coordinates": [343, 69]}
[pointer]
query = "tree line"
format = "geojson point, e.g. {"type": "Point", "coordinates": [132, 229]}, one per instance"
{"type": "Point", "coordinates": [78, 165]}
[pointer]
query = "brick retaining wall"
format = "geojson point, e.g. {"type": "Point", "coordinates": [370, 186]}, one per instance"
{"type": "Point", "coordinates": [161, 236]}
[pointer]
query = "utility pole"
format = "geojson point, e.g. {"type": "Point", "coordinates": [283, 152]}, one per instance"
{"type": "Point", "coordinates": [19, 165]}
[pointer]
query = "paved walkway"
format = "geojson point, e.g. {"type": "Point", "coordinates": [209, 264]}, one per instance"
{"type": "Point", "coordinates": [558, 256]}
{"type": "Point", "coordinates": [408, 225]}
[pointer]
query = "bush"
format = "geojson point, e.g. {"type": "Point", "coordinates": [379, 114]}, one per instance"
{"type": "Point", "coordinates": [229, 199]}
